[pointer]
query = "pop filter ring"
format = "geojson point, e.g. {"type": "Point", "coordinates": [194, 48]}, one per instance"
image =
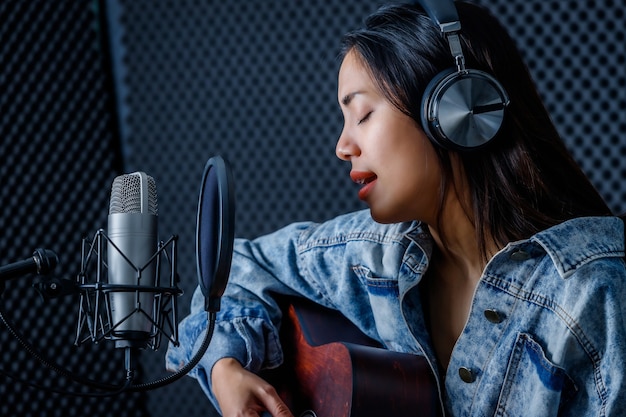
{"type": "Point", "coordinates": [215, 230]}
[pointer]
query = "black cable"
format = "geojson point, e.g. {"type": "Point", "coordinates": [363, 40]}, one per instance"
{"type": "Point", "coordinates": [112, 390]}
{"type": "Point", "coordinates": [49, 363]}
{"type": "Point", "coordinates": [36, 385]}
{"type": "Point", "coordinates": [188, 367]}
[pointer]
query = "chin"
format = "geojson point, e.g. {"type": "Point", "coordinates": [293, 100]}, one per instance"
{"type": "Point", "coordinates": [385, 217]}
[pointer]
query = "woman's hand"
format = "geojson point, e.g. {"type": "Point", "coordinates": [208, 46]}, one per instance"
{"type": "Point", "coordinates": [241, 393]}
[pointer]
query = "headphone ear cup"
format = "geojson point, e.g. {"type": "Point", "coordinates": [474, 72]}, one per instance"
{"type": "Point", "coordinates": [463, 110]}
{"type": "Point", "coordinates": [429, 123]}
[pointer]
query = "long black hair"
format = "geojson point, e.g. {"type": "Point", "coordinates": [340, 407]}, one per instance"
{"type": "Point", "coordinates": [524, 180]}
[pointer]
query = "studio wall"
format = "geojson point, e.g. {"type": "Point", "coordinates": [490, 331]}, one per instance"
{"type": "Point", "coordinates": [96, 88]}
{"type": "Point", "coordinates": [59, 151]}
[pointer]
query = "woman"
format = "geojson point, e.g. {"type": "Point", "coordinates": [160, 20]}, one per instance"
{"type": "Point", "coordinates": [501, 265]}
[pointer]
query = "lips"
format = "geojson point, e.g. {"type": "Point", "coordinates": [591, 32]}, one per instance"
{"type": "Point", "coordinates": [366, 180]}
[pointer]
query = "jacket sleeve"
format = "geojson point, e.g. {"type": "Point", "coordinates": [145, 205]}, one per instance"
{"type": "Point", "coordinates": [599, 318]}
{"type": "Point", "coordinates": [608, 312]}
{"type": "Point", "coordinates": [247, 323]}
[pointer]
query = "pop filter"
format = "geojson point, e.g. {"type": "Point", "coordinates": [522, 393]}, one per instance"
{"type": "Point", "coordinates": [215, 231]}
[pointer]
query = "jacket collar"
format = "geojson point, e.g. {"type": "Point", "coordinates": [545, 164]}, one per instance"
{"type": "Point", "coordinates": [575, 242]}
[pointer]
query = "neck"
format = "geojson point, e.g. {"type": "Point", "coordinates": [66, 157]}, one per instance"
{"type": "Point", "coordinates": [459, 253]}
{"type": "Point", "coordinates": [457, 247]}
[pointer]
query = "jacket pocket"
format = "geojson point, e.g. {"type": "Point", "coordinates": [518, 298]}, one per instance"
{"type": "Point", "coordinates": [377, 285]}
{"type": "Point", "coordinates": [533, 385]}
{"type": "Point", "coordinates": [383, 298]}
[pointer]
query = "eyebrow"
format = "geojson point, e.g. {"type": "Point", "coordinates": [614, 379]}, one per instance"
{"type": "Point", "coordinates": [348, 97]}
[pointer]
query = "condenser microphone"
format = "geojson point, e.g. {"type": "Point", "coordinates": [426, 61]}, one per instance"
{"type": "Point", "coordinates": [131, 260]}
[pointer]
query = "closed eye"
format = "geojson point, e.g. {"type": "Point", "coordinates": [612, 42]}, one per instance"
{"type": "Point", "coordinates": [365, 118]}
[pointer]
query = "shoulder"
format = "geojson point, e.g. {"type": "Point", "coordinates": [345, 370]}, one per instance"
{"type": "Point", "coordinates": [356, 227]}
{"type": "Point", "coordinates": [354, 233]}
{"type": "Point", "coordinates": [568, 269]}
{"type": "Point", "coordinates": [574, 244]}
{"type": "Point", "coordinates": [584, 272]}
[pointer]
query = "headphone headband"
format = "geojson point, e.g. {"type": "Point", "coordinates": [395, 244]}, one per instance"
{"type": "Point", "coordinates": [443, 13]}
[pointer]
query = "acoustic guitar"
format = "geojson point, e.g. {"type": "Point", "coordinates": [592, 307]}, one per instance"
{"type": "Point", "coordinates": [332, 369]}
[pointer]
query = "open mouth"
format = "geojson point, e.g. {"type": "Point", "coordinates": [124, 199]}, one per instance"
{"type": "Point", "coordinates": [362, 178]}
{"type": "Point", "coordinates": [364, 181]}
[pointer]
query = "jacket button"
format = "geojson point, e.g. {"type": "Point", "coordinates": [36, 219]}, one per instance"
{"type": "Point", "coordinates": [466, 375]}
{"type": "Point", "coordinates": [519, 255]}
{"type": "Point", "coordinates": [493, 316]}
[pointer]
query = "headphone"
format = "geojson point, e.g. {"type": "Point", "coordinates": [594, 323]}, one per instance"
{"type": "Point", "coordinates": [462, 109]}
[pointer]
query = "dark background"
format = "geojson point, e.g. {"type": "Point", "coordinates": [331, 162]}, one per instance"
{"type": "Point", "coordinates": [94, 88]}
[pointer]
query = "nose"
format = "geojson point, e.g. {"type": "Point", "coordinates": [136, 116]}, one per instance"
{"type": "Point", "coordinates": [346, 148]}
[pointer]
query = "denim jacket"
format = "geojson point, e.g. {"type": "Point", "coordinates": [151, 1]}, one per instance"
{"type": "Point", "coordinates": [546, 333]}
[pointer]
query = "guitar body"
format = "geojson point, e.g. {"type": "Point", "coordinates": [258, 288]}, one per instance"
{"type": "Point", "coordinates": [331, 369]}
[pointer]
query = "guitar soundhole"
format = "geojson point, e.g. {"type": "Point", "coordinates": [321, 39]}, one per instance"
{"type": "Point", "coordinates": [308, 413]}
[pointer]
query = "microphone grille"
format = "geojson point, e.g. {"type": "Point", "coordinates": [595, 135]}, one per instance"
{"type": "Point", "coordinates": [133, 193]}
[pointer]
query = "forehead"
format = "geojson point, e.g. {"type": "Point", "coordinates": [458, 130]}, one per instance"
{"type": "Point", "coordinates": [354, 76]}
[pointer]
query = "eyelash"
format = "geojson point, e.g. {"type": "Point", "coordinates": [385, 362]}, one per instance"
{"type": "Point", "coordinates": [364, 119]}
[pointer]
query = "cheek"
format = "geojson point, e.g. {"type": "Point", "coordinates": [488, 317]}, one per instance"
{"type": "Point", "coordinates": [421, 173]}
{"type": "Point", "coordinates": [420, 178]}
{"type": "Point", "coordinates": [419, 157]}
